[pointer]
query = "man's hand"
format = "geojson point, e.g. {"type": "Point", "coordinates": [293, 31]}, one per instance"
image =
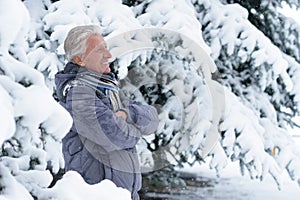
{"type": "Point", "coordinates": [121, 113]}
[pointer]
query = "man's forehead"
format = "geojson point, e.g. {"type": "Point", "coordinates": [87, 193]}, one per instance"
{"type": "Point", "coordinates": [97, 40]}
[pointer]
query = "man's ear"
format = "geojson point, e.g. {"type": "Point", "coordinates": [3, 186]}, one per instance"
{"type": "Point", "coordinates": [78, 60]}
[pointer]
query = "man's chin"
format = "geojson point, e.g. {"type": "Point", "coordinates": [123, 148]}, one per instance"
{"type": "Point", "coordinates": [107, 70]}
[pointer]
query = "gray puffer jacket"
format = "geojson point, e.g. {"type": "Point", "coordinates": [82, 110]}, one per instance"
{"type": "Point", "coordinates": [101, 145]}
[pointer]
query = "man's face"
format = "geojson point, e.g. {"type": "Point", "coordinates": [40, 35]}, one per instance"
{"type": "Point", "coordinates": [96, 57]}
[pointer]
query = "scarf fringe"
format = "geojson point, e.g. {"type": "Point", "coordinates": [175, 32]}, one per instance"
{"type": "Point", "coordinates": [103, 82]}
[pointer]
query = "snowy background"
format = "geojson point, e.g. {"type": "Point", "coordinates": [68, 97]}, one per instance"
{"type": "Point", "coordinates": [224, 76]}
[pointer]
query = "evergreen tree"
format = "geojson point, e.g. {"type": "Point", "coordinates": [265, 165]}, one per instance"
{"type": "Point", "coordinates": [257, 70]}
{"type": "Point", "coordinates": [30, 133]}
{"type": "Point", "coordinates": [32, 123]}
{"type": "Point", "coordinates": [241, 104]}
{"type": "Point", "coordinates": [259, 73]}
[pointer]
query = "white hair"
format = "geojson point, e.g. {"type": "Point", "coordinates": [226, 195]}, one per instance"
{"type": "Point", "coordinates": [75, 42]}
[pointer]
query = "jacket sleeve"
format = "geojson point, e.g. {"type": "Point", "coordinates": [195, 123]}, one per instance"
{"type": "Point", "coordinates": [144, 117]}
{"type": "Point", "coordinates": [96, 122]}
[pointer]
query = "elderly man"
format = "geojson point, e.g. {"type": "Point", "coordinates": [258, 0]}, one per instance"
{"type": "Point", "coordinates": [102, 141]}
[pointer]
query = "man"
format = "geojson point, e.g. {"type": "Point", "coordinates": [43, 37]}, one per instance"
{"type": "Point", "coordinates": [101, 143]}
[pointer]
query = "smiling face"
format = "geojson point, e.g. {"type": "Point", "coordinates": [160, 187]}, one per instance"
{"type": "Point", "coordinates": [96, 57]}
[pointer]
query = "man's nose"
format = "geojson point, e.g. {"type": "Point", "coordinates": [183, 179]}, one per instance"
{"type": "Point", "coordinates": [108, 54]}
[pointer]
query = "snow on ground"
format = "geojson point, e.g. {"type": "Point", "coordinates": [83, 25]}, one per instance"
{"type": "Point", "coordinates": [231, 185]}
{"type": "Point", "coordinates": [73, 187]}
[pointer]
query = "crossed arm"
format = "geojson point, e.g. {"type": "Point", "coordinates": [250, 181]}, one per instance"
{"type": "Point", "coordinates": [95, 121]}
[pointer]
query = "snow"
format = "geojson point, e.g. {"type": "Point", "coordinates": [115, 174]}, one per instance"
{"type": "Point", "coordinates": [293, 13]}
{"type": "Point", "coordinates": [227, 35]}
{"type": "Point", "coordinates": [231, 185]}
{"type": "Point", "coordinates": [7, 122]}
{"type": "Point", "coordinates": [16, 25]}
{"type": "Point", "coordinates": [41, 121]}
{"type": "Point", "coordinates": [13, 189]}
{"type": "Point", "coordinates": [44, 61]}
{"type": "Point", "coordinates": [19, 71]}
{"type": "Point", "coordinates": [35, 123]}
{"type": "Point", "coordinates": [72, 186]}
{"type": "Point", "coordinates": [295, 74]}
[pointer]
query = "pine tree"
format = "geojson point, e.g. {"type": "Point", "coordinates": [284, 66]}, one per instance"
{"type": "Point", "coordinates": [30, 135]}
{"type": "Point", "coordinates": [163, 52]}
{"type": "Point", "coordinates": [258, 73]}
{"type": "Point", "coordinates": [32, 123]}
{"type": "Point", "coordinates": [258, 68]}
